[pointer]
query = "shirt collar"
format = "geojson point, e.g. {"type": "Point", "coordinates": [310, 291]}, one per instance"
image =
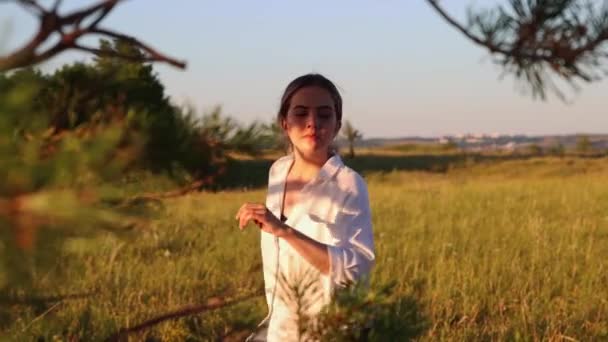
{"type": "Point", "coordinates": [331, 167]}
{"type": "Point", "coordinates": [328, 170]}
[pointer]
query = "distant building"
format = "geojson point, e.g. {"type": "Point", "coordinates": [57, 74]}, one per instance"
{"type": "Point", "coordinates": [509, 147]}
{"type": "Point", "coordinates": [445, 140]}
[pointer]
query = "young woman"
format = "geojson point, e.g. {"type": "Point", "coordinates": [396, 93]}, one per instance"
{"type": "Point", "coordinates": [315, 226]}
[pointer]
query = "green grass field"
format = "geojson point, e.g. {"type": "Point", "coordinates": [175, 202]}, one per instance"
{"type": "Point", "coordinates": [485, 250]}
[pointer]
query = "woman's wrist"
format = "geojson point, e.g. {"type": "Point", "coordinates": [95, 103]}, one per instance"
{"type": "Point", "coordinates": [284, 231]}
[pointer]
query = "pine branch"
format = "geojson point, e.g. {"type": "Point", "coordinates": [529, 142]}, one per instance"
{"type": "Point", "coordinates": [538, 40]}
{"type": "Point", "coordinates": [70, 30]}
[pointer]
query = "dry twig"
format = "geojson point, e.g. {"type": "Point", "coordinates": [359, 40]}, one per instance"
{"type": "Point", "coordinates": [70, 28]}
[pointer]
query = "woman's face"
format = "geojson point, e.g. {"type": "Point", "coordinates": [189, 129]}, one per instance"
{"type": "Point", "coordinates": [311, 123]}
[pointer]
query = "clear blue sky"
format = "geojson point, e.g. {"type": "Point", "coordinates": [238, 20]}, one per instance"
{"type": "Point", "coordinates": [401, 69]}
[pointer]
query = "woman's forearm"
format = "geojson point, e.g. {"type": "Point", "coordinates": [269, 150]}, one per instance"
{"type": "Point", "coordinates": [313, 251]}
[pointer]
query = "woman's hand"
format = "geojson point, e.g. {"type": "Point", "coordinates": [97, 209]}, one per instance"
{"type": "Point", "coordinates": [262, 217]}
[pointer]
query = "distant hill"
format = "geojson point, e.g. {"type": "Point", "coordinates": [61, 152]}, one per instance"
{"type": "Point", "coordinates": [381, 142]}
{"type": "Point", "coordinates": [488, 142]}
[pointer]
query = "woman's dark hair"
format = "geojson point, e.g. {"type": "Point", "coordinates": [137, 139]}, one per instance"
{"type": "Point", "coordinates": [310, 80]}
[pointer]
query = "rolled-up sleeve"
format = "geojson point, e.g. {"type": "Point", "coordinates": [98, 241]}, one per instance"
{"type": "Point", "coordinates": [353, 256]}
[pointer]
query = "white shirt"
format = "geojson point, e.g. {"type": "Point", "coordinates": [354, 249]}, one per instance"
{"type": "Point", "coordinates": [334, 210]}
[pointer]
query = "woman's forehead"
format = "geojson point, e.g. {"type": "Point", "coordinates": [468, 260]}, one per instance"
{"type": "Point", "coordinates": [312, 97]}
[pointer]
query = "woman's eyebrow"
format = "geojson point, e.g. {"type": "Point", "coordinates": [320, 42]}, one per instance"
{"type": "Point", "coordinates": [318, 107]}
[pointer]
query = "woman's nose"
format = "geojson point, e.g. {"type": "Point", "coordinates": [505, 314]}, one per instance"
{"type": "Point", "coordinates": [312, 121]}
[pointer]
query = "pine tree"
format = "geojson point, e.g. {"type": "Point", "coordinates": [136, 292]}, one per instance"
{"type": "Point", "coordinates": [351, 134]}
{"type": "Point", "coordinates": [62, 145]}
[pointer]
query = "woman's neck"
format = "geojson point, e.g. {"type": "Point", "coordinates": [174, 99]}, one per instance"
{"type": "Point", "coordinates": [307, 167]}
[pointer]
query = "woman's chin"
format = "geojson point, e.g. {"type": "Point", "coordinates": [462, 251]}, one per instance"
{"type": "Point", "coordinates": [312, 148]}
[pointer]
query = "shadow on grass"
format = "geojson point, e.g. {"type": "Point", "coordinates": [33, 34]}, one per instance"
{"type": "Point", "coordinates": [372, 318]}
{"type": "Point", "coordinates": [409, 321]}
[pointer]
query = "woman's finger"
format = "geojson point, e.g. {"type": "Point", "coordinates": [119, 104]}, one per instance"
{"type": "Point", "coordinates": [247, 216]}
{"type": "Point", "coordinates": [248, 211]}
{"type": "Point", "coordinates": [259, 211]}
{"type": "Point", "coordinates": [249, 206]}
{"type": "Point", "coordinates": [256, 206]}
{"type": "Point", "coordinates": [255, 210]}
{"type": "Point", "coordinates": [243, 219]}
{"type": "Point", "coordinates": [239, 212]}
{"type": "Point", "coordinates": [258, 215]}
